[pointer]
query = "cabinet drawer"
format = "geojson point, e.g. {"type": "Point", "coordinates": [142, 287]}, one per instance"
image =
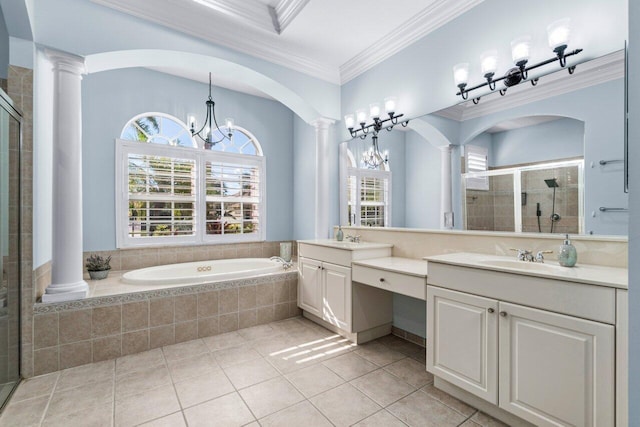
{"type": "Point", "coordinates": [405, 284]}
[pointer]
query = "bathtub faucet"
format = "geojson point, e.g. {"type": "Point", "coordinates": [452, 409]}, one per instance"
{"type": "Point", "coordinates": [286, 264]}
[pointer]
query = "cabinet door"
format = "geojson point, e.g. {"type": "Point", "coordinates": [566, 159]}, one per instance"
{"type": "Point", "coordinates": [336, 305]}
{"type": "Point", "coordinates": [556, 370]}
{"type": "Point", "coordinates": [309, 286]}
{"type": "Point", "coordinates": [462, 333]}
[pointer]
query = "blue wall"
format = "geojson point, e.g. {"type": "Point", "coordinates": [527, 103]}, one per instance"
{"type": "Point", "coordinates": [110, 99]}
{"type": "Point", "coordinates": [4, 48]}
{"type": "Point", "coordinates": [304, 185]}
{"type": "Point", "coordinates": [421, 74]}
{"type": "Point", "coordinates": [559, 139]}
{"type": "Point", "coordinates": [422, 181]}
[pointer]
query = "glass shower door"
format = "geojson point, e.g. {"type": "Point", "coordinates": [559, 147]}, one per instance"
{"type": "Point", "coordinates": [9, 248]}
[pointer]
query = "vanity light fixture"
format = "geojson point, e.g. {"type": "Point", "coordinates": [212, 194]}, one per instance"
{"type": "Point", "coordinates": [357, 124]}
{"type": "Point", "coordinates": [373, 158]}
{"type": "Point", "coordinates": [211, 124]}
{"type": "Point", "coordinates": [558, 34]}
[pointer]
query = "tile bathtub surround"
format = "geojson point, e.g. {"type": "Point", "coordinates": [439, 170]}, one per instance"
{"type": "Point", "coordinates": [274, 374]}
{"type": "Point", "coordinates": [79, 332]}
{"type": "Point", "coordinates": [134, 258]}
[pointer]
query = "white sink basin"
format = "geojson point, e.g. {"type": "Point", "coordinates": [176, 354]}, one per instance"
{"type": "Point", "coordinates": [521, 265]}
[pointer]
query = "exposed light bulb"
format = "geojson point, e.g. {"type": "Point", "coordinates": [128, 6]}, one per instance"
{"type": "Point", "coordinates": [230, 124]}
{"type": "Point", "coordinates": [192, 122]}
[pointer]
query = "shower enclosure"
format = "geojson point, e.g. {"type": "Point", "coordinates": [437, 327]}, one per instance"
{"type": "Point", "coordinates": [539, 198]}
{"type": "Point", "coordinates": [10, 145]}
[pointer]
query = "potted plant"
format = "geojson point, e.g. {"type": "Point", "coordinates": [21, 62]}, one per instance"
{"type": "Point", "coordinates": [98, 266]}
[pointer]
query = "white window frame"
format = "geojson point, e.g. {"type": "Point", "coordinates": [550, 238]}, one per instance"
{"type": "Point", "coordinates": [476, 160]}
{"type": "Point", "coordinates": [360, 173]}
{"type": "Point", "coordinates": [126, 147]}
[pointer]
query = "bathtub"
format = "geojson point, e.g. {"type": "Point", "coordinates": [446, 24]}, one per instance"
{"type": "Point", "coordinates": [202, 271]}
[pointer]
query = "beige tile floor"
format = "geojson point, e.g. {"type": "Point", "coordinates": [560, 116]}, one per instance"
{"type": "Point", "coordinates": [288, 373]}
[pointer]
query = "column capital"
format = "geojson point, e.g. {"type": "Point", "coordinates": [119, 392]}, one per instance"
{"type": "Point", "coordinates": [322, 123]}
{"type": "Point", "coordinates": [64, 61]}
{"type": "Point", "coordinates": [446, 148]}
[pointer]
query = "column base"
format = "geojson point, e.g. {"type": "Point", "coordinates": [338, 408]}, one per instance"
{"type": "Point", "coordinates": [66, 292]}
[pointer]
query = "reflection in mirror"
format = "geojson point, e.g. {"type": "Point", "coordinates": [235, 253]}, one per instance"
{"type": "Point", "coordinates": [540, 198]}
{"type": "Point", "coordinates": [578, 117]}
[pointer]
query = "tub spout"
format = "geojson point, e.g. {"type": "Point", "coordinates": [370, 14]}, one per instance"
{"type": "Point", "coordinates": [286, 264]}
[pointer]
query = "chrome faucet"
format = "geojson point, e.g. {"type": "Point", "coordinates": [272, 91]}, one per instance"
{"type": "Point", "coordinates": [526, 255]}
{"type": "Point", "coordinates": [354, 239]}
{"type": "Point", "coordinates": [286, 264]}
{"type": "Point", "coordinates": [540, 255]}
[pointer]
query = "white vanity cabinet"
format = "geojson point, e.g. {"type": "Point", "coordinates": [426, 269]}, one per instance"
{"type": "Point", "coordinates": [325, 291]}
{"type": "Point", "coordinates": [541, 349]}
{"type": "Point", "coordinates": [463, 342]}
{"type": "Point", "coordinates": [547, 368]}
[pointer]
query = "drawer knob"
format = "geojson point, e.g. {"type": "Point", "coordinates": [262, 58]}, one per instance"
{"type": "Point", "coordinates": [490, 310]}
{"type": "Point", "coordinates": [503, 313]}
{"type": "Point", "coordinates": [382, 279]}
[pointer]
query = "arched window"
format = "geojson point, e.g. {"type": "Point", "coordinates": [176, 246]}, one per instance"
{"type": "Point", "coordinates": [173, 191]}
{"type": "Point", "coordinates": [158, 128]}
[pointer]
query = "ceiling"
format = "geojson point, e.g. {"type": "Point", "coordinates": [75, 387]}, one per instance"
{"type": "Point", "coordinates": [334, 40]}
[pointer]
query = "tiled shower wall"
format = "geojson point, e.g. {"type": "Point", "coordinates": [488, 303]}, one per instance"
{"type": "Point", "coordinates": [492, 210]}
{"type": "Point", "coordinates": [20, 90]}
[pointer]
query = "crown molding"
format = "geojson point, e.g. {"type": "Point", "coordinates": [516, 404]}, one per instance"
{"type": "Point", "coordinates": [287, 11]}
{"type": "Point", "coordinates": [431, 18]}
{"type": "Point", "coordinates": [222, 34]}
{"type": "Point", "coordinates": [588, 73]}
{"type": "Point", "coordinates": [251, 12]}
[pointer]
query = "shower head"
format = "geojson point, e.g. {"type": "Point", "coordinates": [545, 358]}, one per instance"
{"type": "Point", "coordinates": [551, 183]}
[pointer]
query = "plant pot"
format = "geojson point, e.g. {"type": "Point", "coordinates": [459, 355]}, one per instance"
{"type": "Point", "coordinates": [98, 275]}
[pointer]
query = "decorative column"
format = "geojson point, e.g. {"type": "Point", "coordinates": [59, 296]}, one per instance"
{"type": "Point", "coordinates": [446, 207]}
{"type": "Point", "coordinates": [322, 177]}
{"type": "Point", "coordinates": [66, 266]}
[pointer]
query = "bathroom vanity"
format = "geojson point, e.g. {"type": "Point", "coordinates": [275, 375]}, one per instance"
{"type": "Point", "coordinates": [327, 295]}
{"type": "Point", "coordinates": [538, 341]}
{"type": "Point", "coordinates": [348, 287]}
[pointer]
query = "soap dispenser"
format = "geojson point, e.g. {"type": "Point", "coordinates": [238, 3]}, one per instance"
{"type": "Point", "coordinates": [339, 234]}
{"type": "Point", "coordinates": [567, 255]}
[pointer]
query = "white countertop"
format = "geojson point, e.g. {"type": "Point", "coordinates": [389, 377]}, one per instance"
{"type": "Point", "coordinates": [349, 246]}
{"type": "Point", "coordinates": [581, 273]}
{"type": "Point", "coordinates": [413, 267]}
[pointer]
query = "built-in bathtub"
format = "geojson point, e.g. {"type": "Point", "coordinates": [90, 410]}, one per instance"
{"type": "Point", "coordinates": [202, 271]}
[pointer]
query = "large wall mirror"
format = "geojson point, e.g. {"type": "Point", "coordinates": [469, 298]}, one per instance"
{"type": "Point", "coordinates": [552, 159]}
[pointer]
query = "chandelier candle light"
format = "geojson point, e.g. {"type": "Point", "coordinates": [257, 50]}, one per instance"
{"type": "Point", "coordinates": [373, 158]}
{"type": "Point", "coordinates": [558, 37]}
{"type": "Point", "coordinates": [210, 125]}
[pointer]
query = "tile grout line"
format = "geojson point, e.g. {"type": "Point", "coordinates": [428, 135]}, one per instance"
{"type": "Point", "coordinates": [46, 408]}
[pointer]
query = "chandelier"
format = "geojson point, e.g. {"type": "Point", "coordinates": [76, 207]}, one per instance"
{"type": "Point", "coordinates": [373, 158]}
{"type": "Point", "coordinates": [211, 125]}
{"type": "Point", "coordinates": [558, 37]}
